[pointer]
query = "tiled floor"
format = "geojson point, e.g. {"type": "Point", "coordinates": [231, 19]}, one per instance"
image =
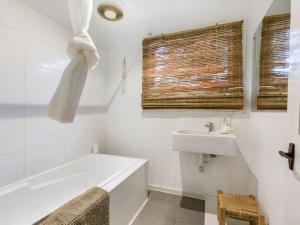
{"type": "Point", "coordinates": [167, 209]}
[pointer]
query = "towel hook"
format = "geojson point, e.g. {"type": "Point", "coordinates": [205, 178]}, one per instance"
{"type": "Point", "coordinates": [290, 155]}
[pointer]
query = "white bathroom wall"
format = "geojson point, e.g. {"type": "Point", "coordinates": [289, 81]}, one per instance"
{"type": "Point", "coordinates": [292, 181]}
{"type": "Point", "coordinates": [262, 136]}
{"type": "Point", "coordinates": [147, 134]}
{"type": "Point", "coordinates": [134, 132]}
{"type": "Point", "coordinates": [32, 52]}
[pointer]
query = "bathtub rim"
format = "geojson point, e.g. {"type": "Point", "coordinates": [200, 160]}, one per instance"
{"type": "Point", "coordinates": [119, 176]}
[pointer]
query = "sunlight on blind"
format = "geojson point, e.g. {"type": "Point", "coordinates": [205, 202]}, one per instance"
{"type": "Point", "coordinates": [274, 62]}
{"type": "Point", "coordinates": [201, 68]}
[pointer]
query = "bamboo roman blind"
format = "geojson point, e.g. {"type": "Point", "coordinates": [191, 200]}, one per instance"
{"type": "Point", "coordinates": [201, 68]}
{"type": "Point", "coordinates": [274, 62]}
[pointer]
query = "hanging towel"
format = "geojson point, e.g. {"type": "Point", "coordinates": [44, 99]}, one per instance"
{"type": "Point", "coordinates": [84, 56]}
{"type": "Point", "coordinates": [90, 208]}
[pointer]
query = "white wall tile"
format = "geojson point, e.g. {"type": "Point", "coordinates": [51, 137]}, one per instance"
{"type": "Point", "coordinates": [43, 132]}
{"type": "Point", "coordinates": [12, 60]}
{"type": "Point", "coordinates": [11, 105]}
{"type": "Point", "coordinates": [89, 100]}
{"type": "Point", "coordinates": [78, 147]}
{"type": "Point", "coordinates": [11, 168]}
{"type": "Point", "coordinates": [41, 80]}
{"type": "Point", "coordinates": [45, 158]}
{"type": "Point", "coordinates": [98, 129]}
{"type": "Point", "coordinates": [12, 136]}
{"type": "Point", "coordinates": [81, 125]}
{"type": "Point", "coordinates": [94, 85]}
{"type": "Point", "coordinates": [36, 105]}
{"type": "Point", "coordinates": [41, 54]}
{"type": "Point", "coordinates": [94, 90]}
{"type": "Point", "coordinates": [33, 58]}
{"type": "Point", "coordinates": [103, 60]}
{"type": "Point", "coordinates": [12, 14]}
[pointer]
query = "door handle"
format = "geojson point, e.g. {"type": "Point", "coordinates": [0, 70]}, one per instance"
{"type": "Point", "coordinates": [290, 155]}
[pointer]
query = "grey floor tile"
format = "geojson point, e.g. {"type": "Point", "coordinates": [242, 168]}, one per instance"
{"type": "Point", "coordinates": [211, 205]}
{"type": "Point", "coordinates": [189, 217]}
{"type": "Point", "coordinates": [192, 204]}
{"type": "Point", "coordinates": [144, 219]}
{"type": "Point", "coordinates": [168, 209]}
{"type": "Point", "coordinates": [178, 223]}
{"type": "Point", "coordinates": [160, 208]}
{"type": "Point", "coordinates": [166, 197]}
{"type": "Point", "coordinates": [159, 195]}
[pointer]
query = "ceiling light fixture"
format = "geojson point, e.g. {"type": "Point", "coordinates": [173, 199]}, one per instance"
{"type": "Point", "coordinates": [110, 11]}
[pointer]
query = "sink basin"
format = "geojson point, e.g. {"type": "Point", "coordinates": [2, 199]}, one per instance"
{"type": "Point", "coordinates": [200, 141]}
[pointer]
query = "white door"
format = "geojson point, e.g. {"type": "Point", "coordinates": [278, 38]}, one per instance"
{"type": "Point", "coordinates": [292, 199]}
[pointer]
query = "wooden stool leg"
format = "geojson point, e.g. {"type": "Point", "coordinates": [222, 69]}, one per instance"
{"type": "Point", "coordinates": [218, 204]}
{"type": "Point", "coordinates": [222, 217]}
{"type": "Point", "coordinates": [261, 219]}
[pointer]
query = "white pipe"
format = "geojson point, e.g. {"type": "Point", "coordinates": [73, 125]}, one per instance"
{"type": "Point", "coordinates": [201, 162]}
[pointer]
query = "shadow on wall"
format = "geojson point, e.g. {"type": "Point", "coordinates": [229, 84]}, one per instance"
{"type": "Point", "coordinates": [193, 113]}
{"type": "Point", "coordinates": [230, 174]}
{"type": "Point", "coordinates": [15, 111]}
{"type": "Point", "coordinates": [296, 175]}
{"type": "Point", "coordinates": [296, 171]}
{"type": "Point", "coordinates": [114, 94]}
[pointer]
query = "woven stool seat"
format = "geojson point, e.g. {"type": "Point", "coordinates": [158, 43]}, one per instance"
{"type": "Point", "coordinates": [238, 207]}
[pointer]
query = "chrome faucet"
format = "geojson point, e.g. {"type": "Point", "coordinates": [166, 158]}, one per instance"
{"type": "Point", "coordinates": [210, 126]}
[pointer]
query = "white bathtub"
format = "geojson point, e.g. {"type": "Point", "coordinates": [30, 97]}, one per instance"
{"type": "Point", "coordinates": [29, 200]}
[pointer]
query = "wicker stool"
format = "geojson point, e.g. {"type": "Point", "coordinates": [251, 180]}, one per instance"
{"type": "Point", "coordinates": [238, 207]}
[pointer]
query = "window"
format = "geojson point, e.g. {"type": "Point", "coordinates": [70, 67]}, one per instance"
{"type": "Point", "coordinates": [274, 62]}
{"type": "Point", "coordinates": [201, 68]}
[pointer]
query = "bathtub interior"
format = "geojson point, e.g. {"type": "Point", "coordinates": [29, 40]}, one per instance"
{"type": "Point", "coordinates": [35, 197]}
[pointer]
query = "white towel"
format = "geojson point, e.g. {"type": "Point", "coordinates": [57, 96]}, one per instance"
{"type": "Point", "coordinates": [84, 56]}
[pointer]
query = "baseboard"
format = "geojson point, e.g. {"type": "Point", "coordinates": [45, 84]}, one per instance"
{"type": "Point", "coordinates": [164, 189]}
{"type": "Point", "coordinates": [178, 192]}
{"type": "Point", "coordinates": [138, 212]}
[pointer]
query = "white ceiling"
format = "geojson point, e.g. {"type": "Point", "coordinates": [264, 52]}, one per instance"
{"type": "Point", "coordinates": [55, 9]}
{"type": "Point", "coordinates": [135, 11]}
{"type": "Point", "coordinates": [279, 6]}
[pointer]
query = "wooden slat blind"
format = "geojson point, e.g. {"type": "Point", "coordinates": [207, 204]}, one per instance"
{"type": "Point", "coordinates": [201, 68]}
{"type": "Point", "coordinates": [274, 62]}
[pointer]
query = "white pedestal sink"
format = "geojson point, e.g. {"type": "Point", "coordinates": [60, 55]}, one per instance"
{"type": "Point", "coordinates": [200, 141]}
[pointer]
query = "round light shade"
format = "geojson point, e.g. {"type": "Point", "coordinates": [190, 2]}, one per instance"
{"type": "Point", "coordinates": [110, 14]}
{"type": "Point", "coordinates": [110, 11]}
